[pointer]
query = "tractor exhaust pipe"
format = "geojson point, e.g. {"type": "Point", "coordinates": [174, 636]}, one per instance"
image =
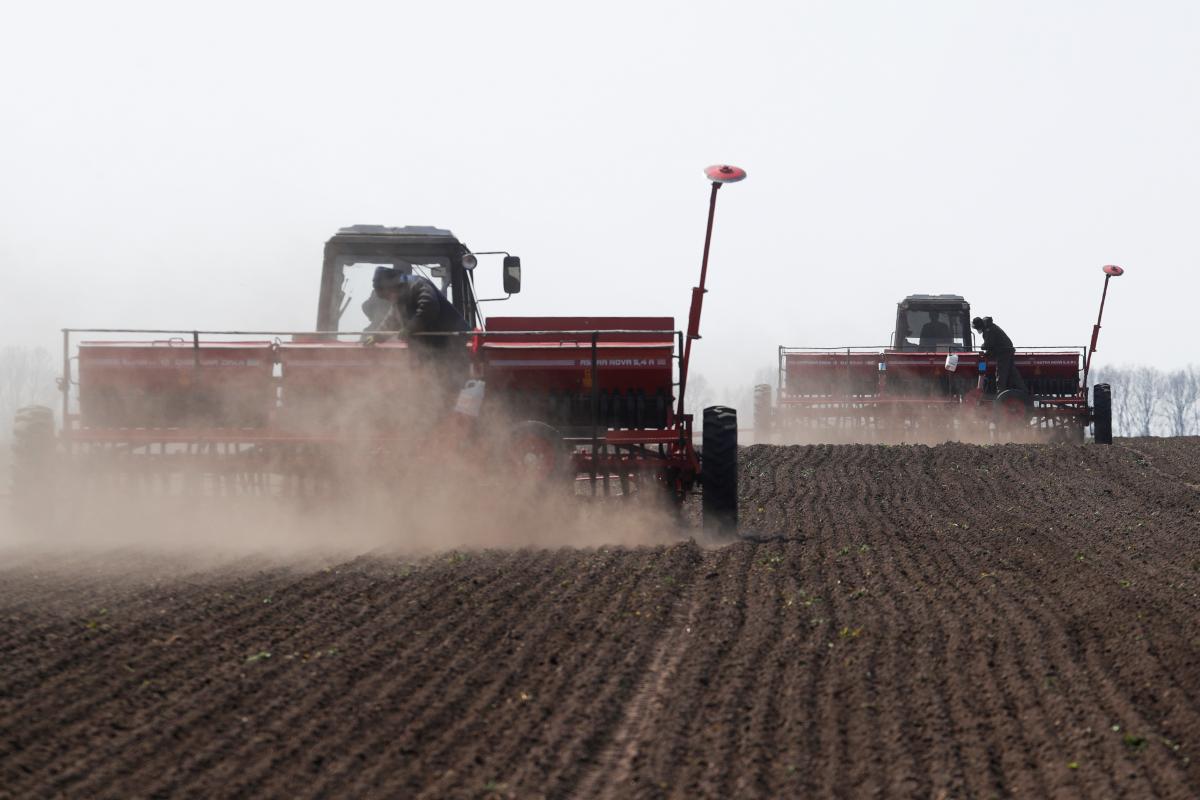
{"type": "Point", "coordinates": [719, 174]}
{"type": "Point", "coordinates": [1111, 271]}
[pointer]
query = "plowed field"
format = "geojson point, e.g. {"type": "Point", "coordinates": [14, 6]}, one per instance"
{"type": "Point", "coordinates": [947, 621]}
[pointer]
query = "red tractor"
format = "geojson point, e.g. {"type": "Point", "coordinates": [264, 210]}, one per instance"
{"type": "Point", "coordinates": [597, 401]}
{"type": "Point", "coordinates": [930, 384]}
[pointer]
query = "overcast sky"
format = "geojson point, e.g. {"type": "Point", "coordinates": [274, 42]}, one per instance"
{"type": "Point", "coordinates": [170, 164]}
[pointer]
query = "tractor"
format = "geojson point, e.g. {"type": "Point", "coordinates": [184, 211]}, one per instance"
{"type": "Point", "coordinates": [594, 405]}
{"type": "Point", "coordinates": [931, 384]}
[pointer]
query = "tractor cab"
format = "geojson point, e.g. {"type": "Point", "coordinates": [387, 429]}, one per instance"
{"type": "Point", "coordinates": [353, 253]}
{"type": "Point", "coordinates": [932, 323]}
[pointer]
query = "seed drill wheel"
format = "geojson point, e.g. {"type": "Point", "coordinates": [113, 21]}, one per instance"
{"type": "Point", "coordinates": [1102, 413]}
{"type": "Point", "coordinates": [719, 471]}
{"type": "Point", "coordinates": [537, 454]}
{"type": "Point", "coordinates": [33, 465]}
{"type": "Point", "coordinates": [1013, 410]}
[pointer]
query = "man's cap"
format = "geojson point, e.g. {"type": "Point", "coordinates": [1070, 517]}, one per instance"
{"type": "Point", "coordinates": [977, 323]}
{"type": "Point", "coordinates": [389, 278]}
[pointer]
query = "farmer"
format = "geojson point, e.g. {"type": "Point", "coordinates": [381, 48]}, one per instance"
{"type": "Point", "coordinates": [997, 345]}
{"type": "Point", "coordinates": [935, 332]}
{"type": "Point", "coordinates": [414, 306]}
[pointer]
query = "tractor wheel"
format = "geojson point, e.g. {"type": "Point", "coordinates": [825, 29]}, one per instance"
{"type": "Point", "coordinates": [33, 464]}
{"type": "Point", "coordinates": [762, 413]}
{"type": "Point", "coordinates": [1102, 413]}
{"type": "Point", "coordinates": [537, 454]}
{"type": "Point", "coordinates": [719, 471]}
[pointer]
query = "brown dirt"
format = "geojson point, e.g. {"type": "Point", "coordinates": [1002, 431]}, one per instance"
{"type": "Point", "coordinates": [906, 622]}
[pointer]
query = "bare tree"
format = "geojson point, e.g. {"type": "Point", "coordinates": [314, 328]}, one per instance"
{"type": "Point", "coordinates": [1121, 382]}
{"type": "Point", "coordinates": [699, 393]}
{"type": "Point", "coordinates": [1180, 390]}
{"type": "Point", "coordinates": [26, 378]}
{"type": "Point", "coordinates": [768, 375]}
{"type": "Point", "coordinates": [1145, 391]}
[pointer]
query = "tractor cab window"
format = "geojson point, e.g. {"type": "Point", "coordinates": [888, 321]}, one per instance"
{"type": "Point", "coordinates": [931, 330]}
{"type": "Point", "coordinates": [359, 308]}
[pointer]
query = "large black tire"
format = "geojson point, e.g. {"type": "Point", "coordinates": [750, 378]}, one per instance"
{"type": "Point", "coordinates": [719, 471]}
{"type": "Point", "coordinates": [763, 419]}
{"type": "Point", "coordinates": [1102, 413]}
{"type": "Point", "coordinates": [33, 464]}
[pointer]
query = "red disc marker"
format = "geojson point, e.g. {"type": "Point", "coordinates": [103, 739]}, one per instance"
{"type": "Point", "coordinates": [724, 173]}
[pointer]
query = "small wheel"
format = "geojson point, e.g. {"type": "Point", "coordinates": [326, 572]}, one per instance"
{"type": "Point", "coordinates": [719, 471]}
{"type": "Point", "coordinates": [1013, 407]}
{"type": "Point", "coordinates": [536, 452]}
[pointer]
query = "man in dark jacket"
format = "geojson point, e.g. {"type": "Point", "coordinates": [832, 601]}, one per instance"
{"type": "Point", "coordinates": [997, 345]}
{"type": "Point", "coordinates": [416, 306]}
{"type": "Point", "coordinates": [413, 305]}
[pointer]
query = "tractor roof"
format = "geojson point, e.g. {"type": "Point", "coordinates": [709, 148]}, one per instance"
{"type": "Point", "coordinates": [934, 299]}
{"type": "Point", "coordinates": [425, 234]}
{"type": "Point", "coordinates": [395, 230]}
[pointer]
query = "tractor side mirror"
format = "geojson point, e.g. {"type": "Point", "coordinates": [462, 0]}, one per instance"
{"type": "Point", "coordinates": [512, 274]}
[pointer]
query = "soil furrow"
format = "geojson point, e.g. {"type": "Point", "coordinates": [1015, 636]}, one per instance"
{"type": "Point", "coordinates": [904, 621]}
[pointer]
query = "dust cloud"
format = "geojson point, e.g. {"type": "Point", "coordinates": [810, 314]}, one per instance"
{"type": "Point", "coordinates": [380, 463]}
{"type": "Point", "coordinates": [910, 422]}
{"type": "Point", "coordinates": [833, 434]}
{"type": "Point", "coordinates": [414, 519]}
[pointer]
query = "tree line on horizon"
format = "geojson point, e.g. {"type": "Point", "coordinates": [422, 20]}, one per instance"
{"type": "Point", "coordinates": [1148, 401]}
